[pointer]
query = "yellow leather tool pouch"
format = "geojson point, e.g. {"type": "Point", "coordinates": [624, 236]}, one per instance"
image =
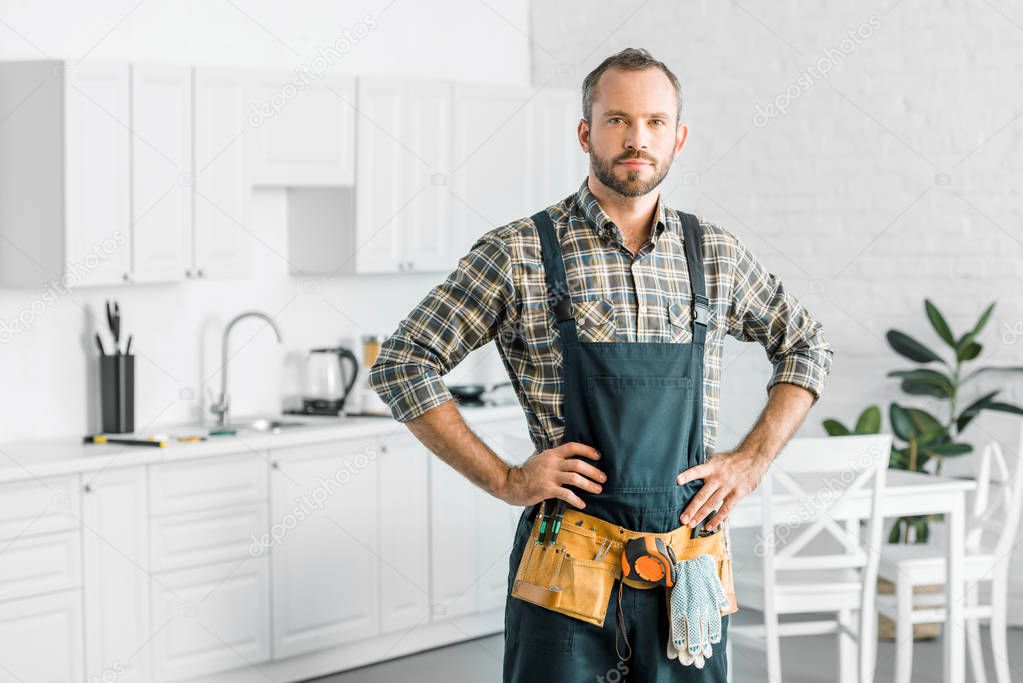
{"type": "Point", "coordinates": [564, 577]}
{"type": "Point", "coordinates": [575, 576]}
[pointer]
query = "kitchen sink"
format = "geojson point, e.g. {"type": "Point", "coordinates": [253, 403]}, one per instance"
{"type": "Point", "coordinates": [272, 425]}
{"type": "Point", "coordinates": [266, 424]}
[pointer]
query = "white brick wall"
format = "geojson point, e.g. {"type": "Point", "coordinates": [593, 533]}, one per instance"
{"type": "Point", "coordinates": [845, 187]}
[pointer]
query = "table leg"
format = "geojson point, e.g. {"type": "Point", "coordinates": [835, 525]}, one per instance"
{"type": "Point", "coordinates": [955, 625]}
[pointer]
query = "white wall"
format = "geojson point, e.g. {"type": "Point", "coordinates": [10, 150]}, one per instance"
{"type": "Point", "coordinates": [49, 373]}
{"type": "Point", "coordinates": [841, 196]}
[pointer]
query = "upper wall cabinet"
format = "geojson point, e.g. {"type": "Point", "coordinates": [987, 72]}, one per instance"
{"type": "Point", "coordinates": [515, 151]}
{"type": "Point", "coordinates": [304, 133]}
{"type": "Point", "coordinates": [161, 165]}
{"type": "Point", "coordinates": [402, 201]}
{"type": "Point", "coordinates": [221, 237]}
{"type": "Point", "coordinates": [98, 179]}
{"type": "Point", "coordinates": [65, 173]}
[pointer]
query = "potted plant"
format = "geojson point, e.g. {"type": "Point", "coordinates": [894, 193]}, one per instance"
{"type": "Point", "coordinates": [921, 438]}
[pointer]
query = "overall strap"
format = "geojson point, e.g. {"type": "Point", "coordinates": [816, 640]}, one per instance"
{"type": "Point", "coordinates": [558, 296]}
{"type": "Point", "coordinates": [693, 240]}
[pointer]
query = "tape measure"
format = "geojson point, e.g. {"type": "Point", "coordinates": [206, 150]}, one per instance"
{"type": "Point", "coordinates": [647, 558]}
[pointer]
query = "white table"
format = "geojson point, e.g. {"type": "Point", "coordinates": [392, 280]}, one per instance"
{"type": "Point", "coordinates": [905, 493]}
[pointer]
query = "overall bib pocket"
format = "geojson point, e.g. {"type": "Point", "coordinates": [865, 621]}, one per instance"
{"type": "Point", "coordinates": [638, 419]}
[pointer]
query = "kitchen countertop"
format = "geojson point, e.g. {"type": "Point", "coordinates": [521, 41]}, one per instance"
{"type": "Point", "coordinates": [36, 458]}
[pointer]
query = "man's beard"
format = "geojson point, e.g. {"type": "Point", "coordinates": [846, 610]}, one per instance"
{"type": "Point", "coordinates": [631, 186]}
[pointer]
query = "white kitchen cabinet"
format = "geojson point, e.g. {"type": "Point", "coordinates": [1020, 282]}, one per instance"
{"type": "Point", "coordinates": [453, 534]}
{"type": "Point", "coordinates": [116, 576]}
{"type": "Point", "coordinates": [404, 532]}
{"type": "Point", "coordinates": [497, 519]}
{"type": "Point", "coordinates": [39, 506]}
{"type": "Point", "coordinates": [195, 539]}
{"type": "Point", "coordinates": [558, 163]}
{"type": "Point", "coordinates": [303, 130]}
{"type": "Point", "coordinates": [210, 619]}
{"type": "Point", "coordinates": [195, 485]}
{"type": "Point", "coordinates": [221, 232]}
{"type": "Point", "coordinates": [64, 173]}
{"type": "Point", "coordinates": [403, 162]}
{"type": "Point", "coordinates": [39, 563]}
{"type": "Point", "coordinates": [326, 565]}
{"type": "Point", "coordinates": [515, 151]}
{"type": "Point", "coordinates": [161, 167]}
{"type": "Point", "coordinates": [41, 639]}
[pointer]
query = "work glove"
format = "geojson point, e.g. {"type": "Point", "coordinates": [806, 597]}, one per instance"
{"type": "Point", "coordinates": [694, 608]}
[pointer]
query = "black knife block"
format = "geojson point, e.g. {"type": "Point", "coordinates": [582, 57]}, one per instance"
{"type": "Point", "coordinates": [117, 393]}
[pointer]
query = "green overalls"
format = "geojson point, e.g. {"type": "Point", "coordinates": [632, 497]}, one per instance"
{"type": "Point", "coordinates": [640, 404]}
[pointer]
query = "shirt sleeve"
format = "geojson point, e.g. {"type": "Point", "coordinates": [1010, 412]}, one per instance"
{"type": "Point", "coordinates": [762, 310]}
{"type": "Point", "coordinates": [464, 312]}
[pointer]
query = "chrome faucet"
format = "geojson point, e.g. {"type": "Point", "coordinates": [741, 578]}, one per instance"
{"type": "Point", "coordinates": [221, 407]}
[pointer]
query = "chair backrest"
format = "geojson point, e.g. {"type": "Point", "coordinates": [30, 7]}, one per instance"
{"type": "Point", "coordinates": [998, 500]}
{"type": "Point", "coordinates": [831, 479]}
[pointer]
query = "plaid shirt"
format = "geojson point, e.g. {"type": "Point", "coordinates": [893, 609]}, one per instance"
{"type": "Point", "coordinates": [498, 292]}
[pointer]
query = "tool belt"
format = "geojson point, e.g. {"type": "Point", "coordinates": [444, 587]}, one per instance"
{"type": "Point", "coordinates": [575, 574]}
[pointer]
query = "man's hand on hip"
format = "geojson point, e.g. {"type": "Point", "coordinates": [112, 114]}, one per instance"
{"type": "Point", "coordinates": [546, 475]}
{"type": "Point", "coordinates": [727, 477]}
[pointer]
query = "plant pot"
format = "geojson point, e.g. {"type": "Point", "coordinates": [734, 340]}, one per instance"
{"type": "Point", "coordinates": [886, 627]}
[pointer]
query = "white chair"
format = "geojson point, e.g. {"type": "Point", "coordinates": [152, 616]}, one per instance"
{"type": "Point", "coordinates": [995, 517]}
{"type": "Point", "coordinates": [817, 561]}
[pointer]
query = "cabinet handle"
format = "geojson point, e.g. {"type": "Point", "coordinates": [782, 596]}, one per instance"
{"type": "Point", "coordinates": [411, 265]}
{"type": "Point", "coordinates": [383, 448]}
{"type": "Point", "coordinates": [88, 488]}
{"type": "Point", "coordinates": [127, 277]}
{"type": "Point", "coordinates": [275, 465]}
{"type": "Point", "coordinates": [199, 272]}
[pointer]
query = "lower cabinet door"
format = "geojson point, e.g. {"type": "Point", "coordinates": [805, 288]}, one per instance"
{"type": "Point", "coordinates": [211, 619]}
{"type": "Point", "coordinates": [115, 549]}
{"type": "Point", "coordinates": [41, 639]}
{"type": "Point", "coordinates": [325, 545]}
{"type": "Point", "coordinates": [404, 533]}
{"type": "Point", "coordinates": [453, 535]}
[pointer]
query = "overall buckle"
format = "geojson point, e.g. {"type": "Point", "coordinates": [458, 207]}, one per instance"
{"type": "Point", "coordinates": [701, 309]}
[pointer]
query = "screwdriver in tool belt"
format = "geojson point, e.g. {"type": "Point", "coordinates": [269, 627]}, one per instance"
{"type": "Point", "coordinates": [555, 524]}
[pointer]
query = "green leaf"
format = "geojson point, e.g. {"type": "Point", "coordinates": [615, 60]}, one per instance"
{"type": "Point", "coordinates": [923, 422]}
{"type": "Point", "coordinates": [901, 424]}
{"type": "Point", "coordinates": [906, 346]}
{"type": "Point", "coordinates": [973, 409]}
{"type": "Point", "coordinates": [923, 529]}
{"type": "Point", "coordinates": [936, 435]}
{"type": "Point", "coordinates": [899, 459]}
{"type": "Point", "coordinates": [924, 382]}
{"type": "Point", "coordinates": [968, 337]}
{"type": "Point", "coordinates": [1004, 408]}
{"type": "Point", "coordinates": [938, 323]}
{"type": "Point", "coordinates": [969, 351]}
{"type": "Point", "coordinates": [869, 421]}
{"type": "Point", "coordinates": [835, 428]}
{"type": "Point", "coordinates": [946, 449]}
{"type": "Point", "coordinates": [991, 368]}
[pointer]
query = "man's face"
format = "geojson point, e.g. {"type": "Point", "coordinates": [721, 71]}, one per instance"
{"type": "Point", "coordinates": [633, 131]}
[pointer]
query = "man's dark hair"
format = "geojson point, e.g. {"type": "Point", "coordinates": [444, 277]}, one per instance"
{"type": "Point", "coordinates": [631, 59]}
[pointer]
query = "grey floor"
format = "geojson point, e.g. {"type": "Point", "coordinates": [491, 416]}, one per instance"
{"type": "Point", "coordinates": [805, 660]}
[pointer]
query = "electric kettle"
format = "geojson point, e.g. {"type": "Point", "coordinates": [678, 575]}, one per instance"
{"type": "Point", "coordinates": [327, 383]}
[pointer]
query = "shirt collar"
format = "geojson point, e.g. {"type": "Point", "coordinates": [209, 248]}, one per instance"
{"type": "Point", "coordinates": [602, 223]}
